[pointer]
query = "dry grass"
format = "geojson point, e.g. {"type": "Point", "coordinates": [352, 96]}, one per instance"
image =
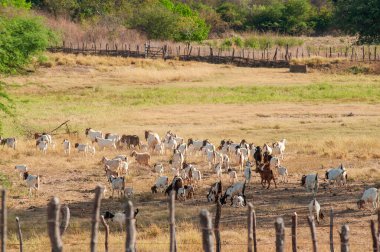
{"type": "Point", "coordinates": [318, 133]}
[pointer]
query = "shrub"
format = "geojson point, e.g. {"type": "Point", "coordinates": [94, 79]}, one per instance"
{"type": "Point", "coordinates": [22, 38]}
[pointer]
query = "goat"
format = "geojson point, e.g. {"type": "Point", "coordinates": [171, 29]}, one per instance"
{"type": "Point", "coordinates": [122, 157]}
{"type": "Point", "coordinates": [218, 170]}
{"type": "Point", "coordinates": [310, 181]}
{"type": "Point", "coordinates": [32, 182]}
{"type": "Point", "coordinates": [371, 195]}
{"type": "Point", "coordinates": [177, 160]}
{"type": "Point", "coordinates": [110, 172]}
{"type": "Point", "coordinates": [267, 149]}
{"type": "Point", "coordinates": [93, 134]}
{"type": "Point", "coordinates": [182, 148]}
{"type": "Point", "coordinates": [152, 139]}
{"type": "Point", "coordinates": [42, 146]}
{"type": "Point", "coordinates": [66, 146]}
{"type": "Point", "coordinates": [141, 158]}
{"type": "Point", "coordinates": [170, 144]}
{"type": "Point", "coordinates": [248, 172]}
{"type": "Point", "coordinates": [113, 137]}
{"type": "Point", "coordinates": [159, 148]}
{"type": "Point", "coordinates": [338, 175]}
{"type": "Point", "coordinates": [176, 184]}
{"type": "Point", "coordinates": [103, 143]}
{"type": "Point", "coordinates": [283, 172]}
{"type": "Point", "coordinates": [266, 175]}
{"type": "Point", "coordinates": [130, 140]}
{"type": "Point", "coordinates": [235, 189]}
{"type": "Point", "coordinates": [232, 175]}
{"type": "Point", "coordinates": [258, 156]}
{"type": "Point", "coordinates": [117, 183]}
{"type": "Point", "coordinates": [196, 175]}
{"type": "Point", "coordinates": [226, 162]}
{"type": "Point", "coordinates": [119, 217]}
{"type": "Point", "coordinates": [314, 206]}
{"type": "Point", "coordinates": [159, 168]}
{"type": "Point", "coordinates": [10, 142]}
{"type": "Point", "coordinates": [215, 192]}
{"type": "Point", "coordinates": [112, 163]}
{"type": "Point", "coordinates": [161, 184]}
{"type": "Point", "coordinates": [279, 148]}
{"type": "Point", "coordinates": [82, 148]}
{"type": "Point", "coordinates": [211, 156]}
{"type": "Point", "coordinates": [238, 201]}
{"type": "Point", "coordinates": [21, 169]}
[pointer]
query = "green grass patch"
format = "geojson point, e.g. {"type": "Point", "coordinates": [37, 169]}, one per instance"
{"type": "Point", "coordinates": [4, 181]}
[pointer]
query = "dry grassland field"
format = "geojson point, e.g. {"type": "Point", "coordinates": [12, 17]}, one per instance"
{"type": "Point", "coordinates": [327, 119]}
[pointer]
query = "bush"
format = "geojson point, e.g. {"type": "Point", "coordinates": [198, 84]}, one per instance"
{"type": "Point", "coordinates": [22, 38]}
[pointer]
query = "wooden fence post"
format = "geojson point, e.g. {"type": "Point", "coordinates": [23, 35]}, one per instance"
{"type": "Point", "coordinates": [280, 234]}
{"type": "Point", "coordinates": [173, 243]}
{"type": "Point", "coordinates": [251, 228]}
{"type": "Point", "coordinates": [53, 225]}
{"type": "Point", "coordinates": [331, 230]}
{"type": "Point", "coordinates": [3, 220]}
{"type": "Point", "coordinates": [19, 233]}
{"type": "Point", "coordinates": [65, 213]}
{"type": "Point", "coordinates": [378, 225]}
{"type": "Point", "coordinates": [310, 220]}
{"type": "Point", "coordinates": [344, 237]}
{"type": "Point", "coordinates": [294, 231]}
{"type": "Point", "coordinates": [206, 226]}
{"type": "Point", "coordinates": [375, 241]}
{"type": "Point", "coordinates": [107, 233]}
{"type": "Point", "coordinates": [218, 214]}
{"type": "Point", "coordinates": [95, 217]}
{"type": "Point", "coordinates": [130, 244]}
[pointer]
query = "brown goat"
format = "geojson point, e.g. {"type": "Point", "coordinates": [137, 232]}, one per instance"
{"type": "Point", "coordinates": [266, 175]}
{"type": "Point", "coordinates": [141, 158]}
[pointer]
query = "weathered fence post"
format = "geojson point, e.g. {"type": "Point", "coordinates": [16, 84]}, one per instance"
{"type": "Point", "coordinates": [251, 228]}
{"type": "Point", "coordinates": [65, 213]}
{"type": "Point", "coordinates": [218, 214]}
{"type": "Point", "coordinates": [53, 225]}
{"type": "Point", "coordinates": [95, 217]}
{"type": "Point", "coordinates": [206, 226]}
{"type": "Point", "coordinates": [378, 225]}
{"type": "Point", "coordinates": [344, 236]}
{"type": "Point", "coordinates": [173, 243]}
{"type": "Point", "coordinates": [19, 233]}
{"type": "Point", "coordinates": [130, 244]}
{"type": "Point", "coordinates": [3, 220]}
{"type": "Point", "coordinates": [331, 230]}
{"type": "Point", "coordinates": [280, 234]}
{"type": "Point", "coordinates": [375, 240]}
{"type": "Point", "coordinates": [107, 233]}
{"type": "Point", "coordinates": [310, 220]}
{"type": "Point", "coordinates": [294, 231]}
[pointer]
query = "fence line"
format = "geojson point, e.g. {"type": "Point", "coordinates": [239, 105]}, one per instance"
{"type": "Point", "coordinates": [270, 57]}
{"type": "Point", "coordinates": [54, 224]}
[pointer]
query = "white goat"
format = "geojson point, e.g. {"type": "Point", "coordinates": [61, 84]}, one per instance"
{"type": "Point", "coordinates": [114, 164]}
{"type": "Point", "coordinates": [267, 149]}
{"type": "Point", "coordinates": [370, 195]}
{"type": "Point", "coordinates": [93, 134]}
{"type": "Point", "coordinates": [118, 184]}
{"type": "Point", "coordinates": [238, 201]}
{"type": "Point", "coordinates": [279, 148]}
{"type": "Point", "coordinates": [159, 168]}
{"type": "Point", "coordinates": [66, 146]}
{"type": "Point", "coordinates": [248, 172]}
{"type": "Point", "coordinates": [226, 162]}
{"type": "Point", "coordinates": [218, 170]}
{"type": "Point", "coordinates": [152, 139]}
{"type": "Point", "coordinates": [211, 156]}
{"type": "Point", "coordinates": [310, 182]}
{"type": "Point", "coordinates": [182, 148]}
{"type": "Point", "coordinates": [32, 182]}
{"type": "Point", "coordinates": [21, 169]}
{"type": "Point", "coordinates": [159, 148]}
{"type": "Point", "coordinates": [232, 175]}
{"type": "Point", "coordinates": [283, 172]}
{"type": "Point", "coordinates": [315, 210]}
{"type": "Point", "coordinates": [82, 148]}
{"type": "Point", "coordinates": [103, 143]}
{"type": "Point", "coordinates": [42, 146]}
{"type": "Point", "coordinates": [170, 144]}
{"type": "Point", "coordinates": [160, 185]}
{"type": "Point", "coordinates": [338, 175]}
{"type": "Point", "coordinates": [10, 142]}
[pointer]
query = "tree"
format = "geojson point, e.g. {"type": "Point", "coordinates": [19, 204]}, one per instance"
{"type": "Point", "coordinates": [359, 17]}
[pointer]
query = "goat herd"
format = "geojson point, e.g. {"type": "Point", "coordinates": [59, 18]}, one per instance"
{"type": "Point", "coordinates": [229, 158]}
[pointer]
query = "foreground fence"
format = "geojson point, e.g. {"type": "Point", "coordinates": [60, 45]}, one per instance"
{"type": "Point", "coordinates": [57, 228]}
{"type": "Point", "coordinates": [270, 57]}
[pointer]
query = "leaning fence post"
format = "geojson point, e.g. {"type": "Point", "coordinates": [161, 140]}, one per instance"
{"type": "Point", "coordinates": [294, 232]}
{"type": "Point", "coordinates": [107, 228]}
{"type": "Point", "coordinates": [331, 230]}
{"type": "Point", "coordinates": [375, 241]}
{"type": "Point", "coordinates": [206, 226]}
{"type": "Point", "coordinates": [280, 234]}
{"type": "Point", "coordinates": [131, 228]}
{"type": "Point", "coordinates": [95, 217]}
{"type": "Point", "coordinates": [65, 212]}
{"type": "Point", "coordinates": [19, 233]}
{"type": "Point", "coordinates": [173, 245]}
{"type": "Point", "coordinates": [53, 225]}
{"type": "Point", "coordinates": [310, 220]}
{"type": "Point", "coordinates": [3, 220]}
{"type": "Point", "coordinates": [216, 226]}
{"type": "Point", "coordinates": [344, 235]}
